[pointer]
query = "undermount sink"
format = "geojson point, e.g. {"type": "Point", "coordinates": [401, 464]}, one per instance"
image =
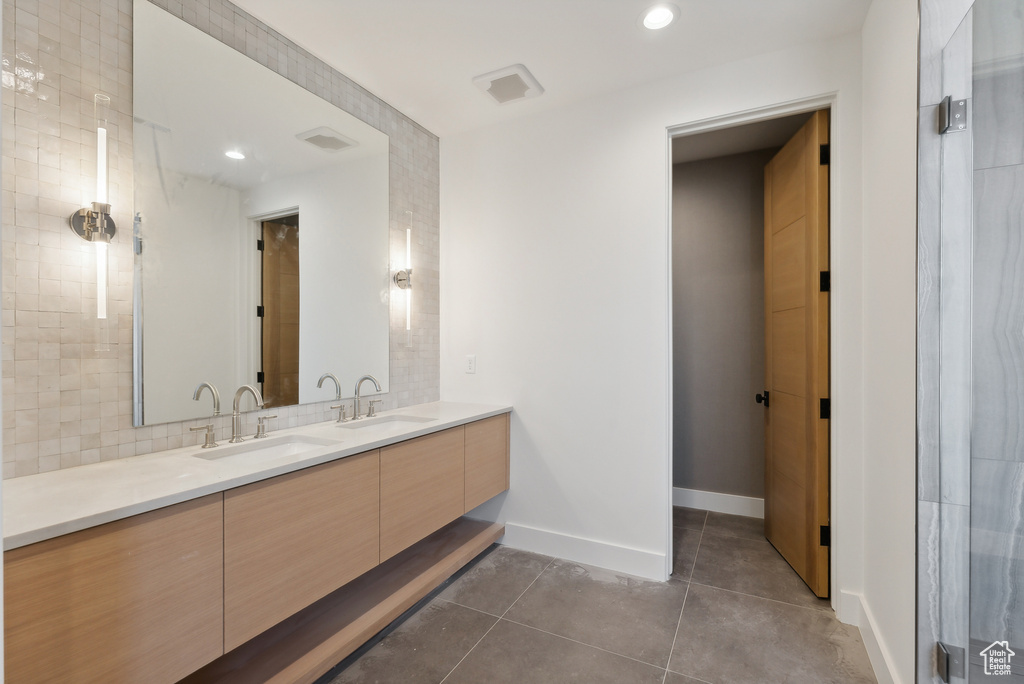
{"type": "Point", "coordinates": [385, 422]}
{"type": "Point", "coordinates": [269, 449]}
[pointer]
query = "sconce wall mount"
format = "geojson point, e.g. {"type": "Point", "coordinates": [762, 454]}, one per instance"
{"type": "Point", "coordinates": [95, 224]}
{"type": "Point", "coordinates": [403, 278]}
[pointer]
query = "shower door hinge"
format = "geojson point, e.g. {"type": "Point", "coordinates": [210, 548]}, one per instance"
{"type": "Point", "coordinates": [823, 155]}
{"type": "Point", "coordinates": [952, 115]}
{"type": "Point", "coordinates": [949, 661]}
{"type": "Point", "coordinates": [825, 536]}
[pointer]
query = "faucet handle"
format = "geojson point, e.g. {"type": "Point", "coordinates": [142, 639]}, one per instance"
{"type": "Point", "coordinates": [341, 414]}
{"type": "Point", "coordinates": [371, 412]}
{"type": "Point", "coordinates": [261, 426]}
{"type": "Point", "coordinates": [209, 443]}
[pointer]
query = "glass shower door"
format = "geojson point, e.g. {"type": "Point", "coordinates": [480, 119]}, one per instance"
{"type": "Point", "coordinates": [996, 645]}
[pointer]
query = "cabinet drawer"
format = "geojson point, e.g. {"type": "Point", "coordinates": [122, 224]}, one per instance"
{"type": "Point", "coordinates": [486, 459]}
{"type": "Point", "coordinates": [136, 600]}
{"type": "Point", "coordinates": [293, 539]}
{"type": "Point", "coordinates": [422, 488]}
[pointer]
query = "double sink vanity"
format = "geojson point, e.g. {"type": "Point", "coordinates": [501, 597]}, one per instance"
{"type": "Point", "coordinates": [268, 560]}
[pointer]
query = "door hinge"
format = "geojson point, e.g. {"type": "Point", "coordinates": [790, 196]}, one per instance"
{"type": "Point", "coordinates": [824, 281]}
{"type": "Point", "coordinates": [952, 115]}
{"type": "Point", "coordinates": [259, 312]}
{"type": "Point", "coordinates": [823, 155]}
{"type": "Point", "coordinates": [762, 398]}
{"type": "Point", "coordinates": [259, 376]}
{"type": "Point", "coordinates": [825, 536]}
{"type": "Point", "coordinates": [825, 408]}
{"type": "Point", "coordinates": [259, 245]}
{"type": "Point", "coordinates": [949, 661]}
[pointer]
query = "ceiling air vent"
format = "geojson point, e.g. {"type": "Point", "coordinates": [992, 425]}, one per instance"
{"type": "Point", "coordinates": [509, 84]}
{"type": "Point", "coordinates": [327, 139]}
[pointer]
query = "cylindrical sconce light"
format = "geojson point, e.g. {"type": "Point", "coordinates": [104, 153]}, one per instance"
{"type": "Point", "coordinates": [95, 225]}
{"type": "Point", "coordinates": [403, 278]}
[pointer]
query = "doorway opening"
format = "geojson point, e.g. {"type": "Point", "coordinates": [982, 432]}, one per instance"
{"type": "Point", "coordinates": [748, 201]}
{"type": "Point", "coordinates": [279, 310]}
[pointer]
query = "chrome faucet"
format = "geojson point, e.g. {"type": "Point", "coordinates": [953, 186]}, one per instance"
{"type": "Point", "coordinates": [213, 390]}
{"type": "Point", "coordinates": [332, 376]}
{"type": "Point", "coordinates": [236, 418]}
{"type": "Point", "coordinates": [359, 382]}
{"type": "Point", "coordinates": [337, 395]}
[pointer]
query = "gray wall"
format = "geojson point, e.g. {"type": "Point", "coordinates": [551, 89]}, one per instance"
{"type": "Point", "coordinates": [718, 323]}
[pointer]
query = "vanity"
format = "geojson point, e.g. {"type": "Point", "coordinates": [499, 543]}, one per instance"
{"type": "Point", "coordinates": [269, 560]}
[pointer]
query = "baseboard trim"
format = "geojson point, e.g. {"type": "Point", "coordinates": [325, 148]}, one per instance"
{"type": "Point", "coordinates": [878, 654]}
{"type": "Point", "coordinates": [632, 561]}
{"type": "Point", "coordinates": [717, 502]}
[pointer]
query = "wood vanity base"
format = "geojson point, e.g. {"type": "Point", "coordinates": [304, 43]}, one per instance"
{"type": "Point", "coordinates": [305, 646]}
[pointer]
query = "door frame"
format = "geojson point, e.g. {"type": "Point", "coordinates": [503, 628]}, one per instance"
{"type": "Point", "coordinates": [828, 101]}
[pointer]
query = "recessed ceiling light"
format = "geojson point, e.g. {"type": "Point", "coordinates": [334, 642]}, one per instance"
{"type": "Point", "coordinates": [234, 154]}
{"type": "Point", "coordinates": [659, 16]}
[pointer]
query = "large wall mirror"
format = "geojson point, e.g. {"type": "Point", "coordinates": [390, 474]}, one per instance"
{"type": "Point", "coordinates": [262, 230]}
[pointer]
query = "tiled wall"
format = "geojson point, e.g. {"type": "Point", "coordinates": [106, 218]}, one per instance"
{"type": "Point", "coordinates": [64, 403]}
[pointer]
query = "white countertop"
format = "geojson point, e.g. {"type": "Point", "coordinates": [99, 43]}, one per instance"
{"type": "Point", "coordinates": [47, 505]}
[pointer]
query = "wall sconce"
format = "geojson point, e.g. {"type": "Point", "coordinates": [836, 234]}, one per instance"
{"type": "Point", "coordinates": [403, 278]}
{"type": "Point", "coordinates": [95, 225]}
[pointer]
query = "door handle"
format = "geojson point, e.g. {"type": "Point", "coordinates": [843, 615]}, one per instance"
{"type": "Point", "coordinates": [762, 398]}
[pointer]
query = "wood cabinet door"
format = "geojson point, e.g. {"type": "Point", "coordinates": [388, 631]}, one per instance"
{"type": "Point", "coordinates": [291, 540]}
{"type": "Point", "coordinates": [136, 600]}
{"type": "Point", "coordinates": [486, 459]}
{"type": "Point", "coordinates": [422, 488]}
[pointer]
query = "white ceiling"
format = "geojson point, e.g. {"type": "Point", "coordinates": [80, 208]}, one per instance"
{"type": "Point", "coordinates": [420, 55]}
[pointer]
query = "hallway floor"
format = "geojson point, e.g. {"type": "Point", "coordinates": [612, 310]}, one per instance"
{"type": "Point", "coordinates": [733, 611]}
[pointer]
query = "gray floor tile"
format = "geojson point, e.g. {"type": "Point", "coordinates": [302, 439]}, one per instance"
{"type": "Point", "coordinates": [676, 678]}
{"type": "Point", "coordinates": [684, 550]}
{"type": "Point", "coordinates": [690, 518]}
{"type": "Point", "coordinates": [497, 580]}
{"type": "Point", "coordinates": [619, 613]}
{"type": "Point", "coordinates": [514, 654]}
{"type": "Point", "coordinates": [751, 567]}
{"type": "Point", "coordinates": [729, 637]}
{"type": "Point", "coordinates": [423, 649]}
{"type": "Point", "coordinates": [735, 526]}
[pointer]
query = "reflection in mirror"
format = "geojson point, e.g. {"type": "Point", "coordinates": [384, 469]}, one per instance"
{"type": "Point", "coordinates": [228, 155]}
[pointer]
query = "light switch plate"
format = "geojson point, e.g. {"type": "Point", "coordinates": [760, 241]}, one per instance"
{"type": "Point", "coordinates": [471, 363]}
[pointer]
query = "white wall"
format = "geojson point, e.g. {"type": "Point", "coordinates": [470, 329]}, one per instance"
{"type": "Point", "coordinates": [890, 314]}
{"type": "Point", "coordinates": [555, 273]}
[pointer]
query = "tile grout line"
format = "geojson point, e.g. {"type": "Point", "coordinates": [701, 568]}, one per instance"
{"type": "Point", "coordinates": [689, 579]}
{"type": "Point", "coordinates": [664, 677]}
{"type": "Point", "coordinates": [581, 643]}
{"type": "Point", "coordinates": [765, 598]}
{"type": "Point", "coordinates": [463, 658]}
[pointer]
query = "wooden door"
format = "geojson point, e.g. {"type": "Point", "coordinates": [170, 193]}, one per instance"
{"type": "Point", "coordinates": [135, 600]}
{"type": "Point", "coordinates": [280, 337]}
{"type": "Point", "coordinates": [486, 459]}
{"type": "Point", "coordinates": [797, 353]}
{"type": "Point", "coordinates": [291, 540]}
{"type": "Point", "coordinates": [422, 488]}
